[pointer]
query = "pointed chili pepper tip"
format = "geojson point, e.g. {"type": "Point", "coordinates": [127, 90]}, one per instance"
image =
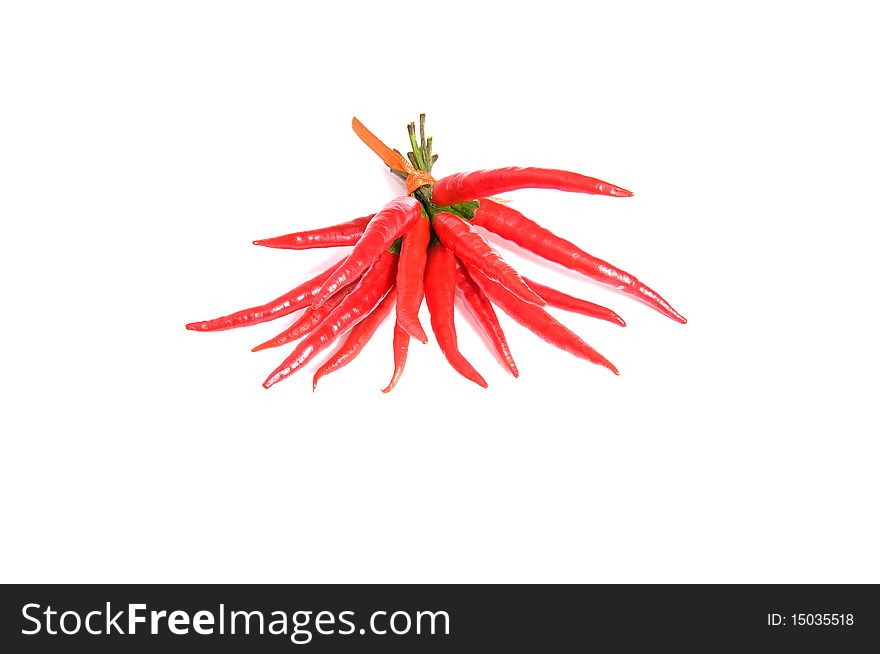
{"type": "Point", "coordinates": [476, 377]}
{"type": "Point", "coordinates": [195, 326]}
{"type": "Point", "coordinates": [263, 346]}
{"type": "Point", "coordinates": [416, 331]}
{"type": "Point", "coordinates": [419, 335]}
{"type": "Point", "coordinates": [669, 312]}
{"type": "Point", "coordinates": [618, 192]}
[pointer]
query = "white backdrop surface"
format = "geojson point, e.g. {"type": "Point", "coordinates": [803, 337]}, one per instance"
{"type": "Point", "coordinates": [144, 145]}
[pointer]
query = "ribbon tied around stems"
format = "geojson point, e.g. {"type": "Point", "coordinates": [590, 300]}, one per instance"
{"type": "Point", "coordinates": [415, 178]}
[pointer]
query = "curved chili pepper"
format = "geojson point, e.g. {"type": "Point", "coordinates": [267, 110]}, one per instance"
{"type": "Point", "coordinates": [394, 219]}
{"type": "Point", "coordinates": [410, 278]}
{"type": "Point", "coordinates": [539, 321]}
{"type": "Point", "coordinates": [400, 346]}
{"type": "Point", "coordinates": [511, 224]}
{"type": "Point", "coordinates": [481, 183]}
{"type": "Point", "coordinates": [298, 298]}
{"type": "Point", "coordinates": [324, 237]}
{"type": "Point", "coordinates": [460, 236]}
{"type": "Point", "coordinates": [416, 239]}
{"type": "Point", "coordinates": [357, 338]}
{"type": "Point", "coordinates": [484, 314]}
{"type": "Point", "coordinates": [306, 323]}
{"type": "Point", "coordinates": [356, 305]}
{"type": "Point", "coordinates": [440, 297]}
{"type": "Point", "coordinates": [567, 302]}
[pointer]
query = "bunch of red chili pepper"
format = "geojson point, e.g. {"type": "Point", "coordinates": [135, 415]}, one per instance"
{"type": "Point", "coordinates": [425, 245]}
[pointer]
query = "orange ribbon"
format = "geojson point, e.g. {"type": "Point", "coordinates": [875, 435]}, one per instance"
{"type": "Point", "coordinates": [392, 158]}
{"type": "Point", "coordinates": [417, 178]}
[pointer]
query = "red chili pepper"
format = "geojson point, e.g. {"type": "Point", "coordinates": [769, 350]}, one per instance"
{"type": "Point", "coordinates": [298, 298]}
{"type": "Point", "coordinates": [394, 219]}
{"type": "Point", "coordinates": [419, 237]}
{"type": "Point", "coordinates": [440, 297]}
{"type": "Point", "coordinates": [512, 225]}
{"type": "Point", "coordinates": [357, 338]}
{"type": "Point", "coordinates": [539, 321]}
{"type": "Point", "coordinates": [410, 278]}
{"type": "Point", "coordinates": [356, 305]}
{"type": "Point", "coordinates": [461, 238]}
{"type": "Point", "coordinates": [567, 302]}
{"type": "Point", "coordinates": [401, 346]}
{"type": "Point", "coordinates": [461, 187]}
{"type": "Point", "coordinates": [306, 323]}
{"type": "Point", "coordinates": [323, 237]}
{"type": "Point", "coordinates": [482, 311]}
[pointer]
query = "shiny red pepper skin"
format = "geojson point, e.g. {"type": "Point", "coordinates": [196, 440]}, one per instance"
{"type": "Point", "coordinates": [511, 224]}
{"type": "Point", "coordinates": [394, 219]}
{"type": "Point", "coordinates": [440, 297]}
{"type": "Point", "coordinates": [324, 237]}
{"type": "Point", "coordinates": [357, 338]}
{"type": "Point", "coordinates": [482, 311]}
{"type": "Point", "coordinates": [430, 241]}
{"type": "Point", "coordinates": [410, 278]}
{"type": "Point", "coordinates": [462, 239]}
{"type": "Point", "coordinates": [305, 324]}
{"type": "Point", "coordinates": [298, 298]}
{"type": "Point", "coordinates": [461, 187]}
{"type": "Point", "coordinates": [567, 302]}
{"type": "Point", "coordinates": [355, 307]}
{"type": "Point", "coordinates": [539, 321]}
{"type": "Point", "coordinates": [400, 346]}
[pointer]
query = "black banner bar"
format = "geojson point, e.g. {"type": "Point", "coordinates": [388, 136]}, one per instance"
{"type": "Point", "coordinates": [437, 618]}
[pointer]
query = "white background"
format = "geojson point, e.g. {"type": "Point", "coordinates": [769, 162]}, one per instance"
{"type": "Point", "coordinates": [144, 145]}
